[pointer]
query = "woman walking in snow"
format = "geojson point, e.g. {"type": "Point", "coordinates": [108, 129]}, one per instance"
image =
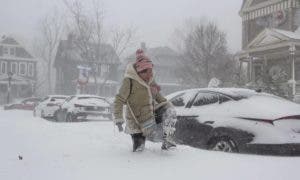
{"type": "Point", "coordinates": [141, 94]}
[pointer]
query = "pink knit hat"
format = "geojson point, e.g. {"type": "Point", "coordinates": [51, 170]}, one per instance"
{"type": "Point", "coordinates": [142, 61]}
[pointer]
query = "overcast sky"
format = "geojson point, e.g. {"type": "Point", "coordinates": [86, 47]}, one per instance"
{"type": "Point", "coordinates": [154, 19]}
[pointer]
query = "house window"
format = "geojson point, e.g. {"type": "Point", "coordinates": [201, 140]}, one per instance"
{"type": "Point", "coordinates": [14, 68]}
{"type": "Point", "coordinates": [30, 69]}
{"type": "Point", "coordinates": [5, 51]}
{"type": "Point", "coordinates": [12, 51]}
{"type": "Point", "coordinates": [22, 69]}
{"type": "Point", "coordinates": [3, 67]}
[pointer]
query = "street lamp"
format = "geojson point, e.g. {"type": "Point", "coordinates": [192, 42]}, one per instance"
{"type": "Point", "coordinates": [9, 74]}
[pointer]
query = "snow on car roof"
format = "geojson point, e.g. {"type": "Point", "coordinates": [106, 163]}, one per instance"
{"type": "Point", "coordinates": [89, 96]}
{"type": "Point", "coordinates": [92, 100]}
{"type": "Point", "coordinates": [233, 92]}
{"type": "Point", "coordinates": [254, 104]}
{"type": "Point", "coordinates": [57, 96]}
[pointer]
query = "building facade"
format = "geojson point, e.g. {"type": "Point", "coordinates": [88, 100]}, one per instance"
{"type": "Point", "coordinates": [101, 76]}
{"type": "Point", "coordinates": [18, 73]}
{"type": "Point", "coordinates": [270, 55]}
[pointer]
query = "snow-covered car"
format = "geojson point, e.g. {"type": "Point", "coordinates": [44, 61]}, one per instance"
{"type": "Point", "coordinates": [84, 107]}
{"type": "Point", "coordinates": [49, 105]}
{"type": "Point", "coordinates": [24, 104]}
{"type": "Point", "coordinates": [237, 120]}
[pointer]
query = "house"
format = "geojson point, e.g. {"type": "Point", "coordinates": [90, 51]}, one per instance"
{"type": "Point", "coordinates": [271, 45]}
{"type": "Point", "coordinates": [101, 72]}
{"type": "Point", "coordinates": [18, 73]}
{"type": "Point", "coordinates": [165, 62]}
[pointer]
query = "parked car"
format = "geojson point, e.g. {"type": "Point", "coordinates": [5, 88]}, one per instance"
{"type": "Point", "coordinates": [84, 107]}
{"type": "Point", "coordinates": [48, 106]}
{"type": "Point", "coordinates": [24, 104]}
{"type": "Point", "coordinates": [237, 120]}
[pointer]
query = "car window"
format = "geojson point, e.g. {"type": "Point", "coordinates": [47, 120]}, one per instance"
{"type": "Point", "coordinates": [46, 98]}
{"type": "Point", "coordinates": [223, 98]}
{"type": "Point", "coordinates": [205, 99]}
{"type": "Point", "coordinates": [52, 99]}
{"type": "Point", "coordinates": [29, 101]}
{"type": "Point", "coordinates": [69, 98]}
{"type": "Point", "coordinates": [58, 99]}
{"type": "Point", "coordinates": [182, 99]}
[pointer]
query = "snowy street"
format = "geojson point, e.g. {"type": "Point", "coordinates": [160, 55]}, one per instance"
{"type": "Point", "coordinates": [96, 150]}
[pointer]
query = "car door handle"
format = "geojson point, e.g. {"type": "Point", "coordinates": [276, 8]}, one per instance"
{"type": "Point", "coordinates": [209, 122]}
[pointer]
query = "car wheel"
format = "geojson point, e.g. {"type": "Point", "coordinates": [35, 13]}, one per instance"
{"type": "Point", "coordinates": [34, 113]}
{"type": "Point", "coordinates": [55, 116]}
{"type": "Point", "coordinates": [43, 114]}
{"type": "Point", "coordinates": [224, 144]}
{"type": "Point", "coordinates": [69, 117]}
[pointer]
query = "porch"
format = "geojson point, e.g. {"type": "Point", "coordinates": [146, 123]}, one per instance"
{"type": "Point", "coordinates": [272, 62]}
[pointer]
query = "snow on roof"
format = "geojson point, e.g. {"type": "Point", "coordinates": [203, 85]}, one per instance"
{"type": "Point", "coordinates": [289, 34]}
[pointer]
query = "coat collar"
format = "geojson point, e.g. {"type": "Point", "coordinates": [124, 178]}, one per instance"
{"type": "Point", "coordinates": [131, 73]}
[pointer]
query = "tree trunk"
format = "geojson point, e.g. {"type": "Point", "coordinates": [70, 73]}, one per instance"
{"type": "Point", "coordinates": [49, 78]}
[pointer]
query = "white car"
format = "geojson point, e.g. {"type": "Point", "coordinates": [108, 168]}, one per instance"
{"type": "Point", "coordinates": [84, 107]}
{"type": "Point", "coordinates": [49, 105]}
{"type": "Point", "coordinates": [237, 120]}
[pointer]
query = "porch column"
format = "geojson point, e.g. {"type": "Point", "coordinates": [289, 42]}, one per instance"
{"type": "Point", "coordinates": [292, 50]}
{"type": "Point", "coordinates": [265, 64]}
{"type": "Point", "coordinates": [240, 72]}
{"type": "Point", "coordinates": [250, 69]}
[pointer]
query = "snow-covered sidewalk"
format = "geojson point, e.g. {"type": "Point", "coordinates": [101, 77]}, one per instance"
{"type": "Point", "coordinates": [94, 150]}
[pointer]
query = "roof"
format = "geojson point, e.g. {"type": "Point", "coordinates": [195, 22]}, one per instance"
{"type": "Point", "coordinates": [69, 52]}
{"type": "Point", "coordinates": [15, 79]}
{"type": "Point", "coordinates": [23, 54]}
{"type": "Point", "coordinates": [249, 5]}
{"type": "Point", "coordinates": [8, 40]}
{"type": "Point", "coordinates": [289, 34]}
{"type": "Point", "coordinates": [271, 38]}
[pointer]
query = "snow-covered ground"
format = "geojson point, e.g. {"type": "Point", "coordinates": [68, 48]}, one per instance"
{"type": "Point", "coordinates": [95, 150]}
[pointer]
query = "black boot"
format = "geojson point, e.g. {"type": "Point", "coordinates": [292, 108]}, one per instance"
{"type": "Point", "coordinates": [138, 141]}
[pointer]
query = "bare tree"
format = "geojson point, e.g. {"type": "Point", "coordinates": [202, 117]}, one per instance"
{"type": "Point", "coordinates": [51, 29]}
{"type": "Point", "coordinates": [90, 38]}
{"type": "Point", "coordinates": [123, 39]}
{"type": "Point", "coordinates": [204, 53]}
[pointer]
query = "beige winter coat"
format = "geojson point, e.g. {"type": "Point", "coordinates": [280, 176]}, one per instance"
{"type": "Point", "coordinates": [140, 100]}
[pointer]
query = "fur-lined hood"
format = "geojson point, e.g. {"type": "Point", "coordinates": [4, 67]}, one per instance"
{"type": "Point", "coordinates": [131, 73]}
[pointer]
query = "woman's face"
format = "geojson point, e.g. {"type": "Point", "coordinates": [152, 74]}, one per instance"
{"type": "Point", "coordinates": [146, 75]}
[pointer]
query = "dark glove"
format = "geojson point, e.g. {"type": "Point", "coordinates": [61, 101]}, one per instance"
{"type": "Point", "coordinates": [120, 127]}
